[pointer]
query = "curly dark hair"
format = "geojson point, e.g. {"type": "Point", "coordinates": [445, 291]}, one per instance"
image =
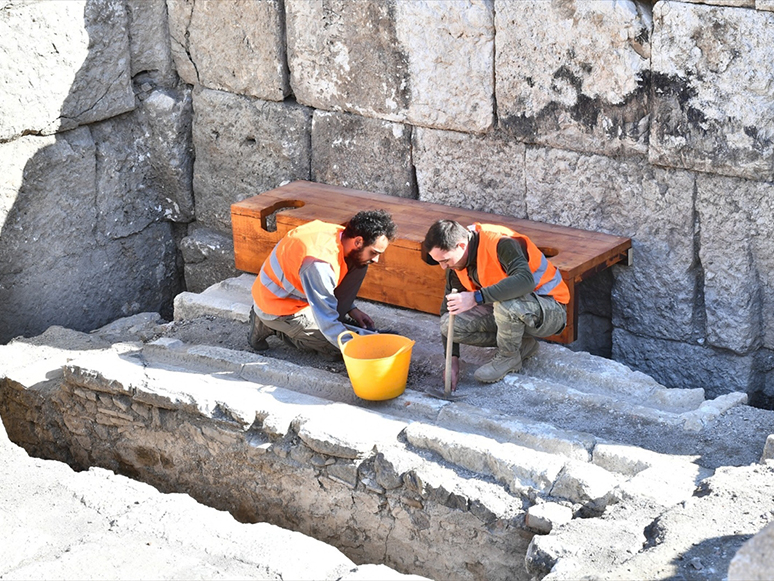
{"type": "Point", "coordinates": [370, 224]}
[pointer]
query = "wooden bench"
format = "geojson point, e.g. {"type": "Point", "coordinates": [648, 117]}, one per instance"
{"type": "Point", "coordinates": [402, 278]}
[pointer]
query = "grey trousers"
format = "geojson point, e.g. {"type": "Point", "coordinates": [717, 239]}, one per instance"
{"type": "Point", "coordinates": [300, 329]}
{"type": "Point", "coordinates": [503, 325]}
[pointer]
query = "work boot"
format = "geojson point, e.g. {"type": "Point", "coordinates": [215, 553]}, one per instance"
{"type": "Point", "coordinates": [499, 367]}
{"type": "Point", "coordinates": [529, 347]}
{"type": "Point", "coordinates": [258, 333]}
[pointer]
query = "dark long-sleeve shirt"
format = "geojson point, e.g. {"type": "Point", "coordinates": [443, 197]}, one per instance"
{"type": "Point", "coordinates": [517, 282]}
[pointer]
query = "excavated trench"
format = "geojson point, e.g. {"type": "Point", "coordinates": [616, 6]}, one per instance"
{"type": "Point", "coordinates": [459, 490]}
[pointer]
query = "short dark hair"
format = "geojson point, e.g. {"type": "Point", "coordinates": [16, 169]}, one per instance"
{"type": "Point", "coordinates": [370, 224]}
{"type": "Point", "coordinates": [444, 234]}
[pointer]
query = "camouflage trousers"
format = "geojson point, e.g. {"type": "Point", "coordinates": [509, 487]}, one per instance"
{"type": "Point", "coordinates": [504, 324]}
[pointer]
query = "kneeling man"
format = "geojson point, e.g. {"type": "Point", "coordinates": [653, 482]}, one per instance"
{"type": "Point", "coordinates": [510, 293]}
{"type": "Point", "coordinates": [308, 284]}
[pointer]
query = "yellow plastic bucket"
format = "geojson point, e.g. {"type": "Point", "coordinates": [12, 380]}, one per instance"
{"type": "Point", "coordinates": [377, 364]}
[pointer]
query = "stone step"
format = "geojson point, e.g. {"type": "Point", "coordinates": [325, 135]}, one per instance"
{"type": "Point", "coordinates": [239, 391]}
{"type": "Point", "coordinates": [440, 426]}
{"type": "Point", "coordinates": [556, 374]}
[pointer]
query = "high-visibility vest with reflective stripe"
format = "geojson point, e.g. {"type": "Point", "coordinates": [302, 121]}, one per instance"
{"type": "Point", "coordinates": [548, 279]}
{"type": "Point", "coordinates": [277, 289]}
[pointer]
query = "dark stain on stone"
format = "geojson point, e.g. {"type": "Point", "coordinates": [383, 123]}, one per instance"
{"type": "Point", "coordinates": [760, 142]}
{"type": "Point", "coordinates": [623, 119]}
{"type": "Point", "coordinates": [566, 74]}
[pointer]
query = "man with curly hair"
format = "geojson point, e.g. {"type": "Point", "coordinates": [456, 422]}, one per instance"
{"type": "Point", "coordinates": [308, 284]}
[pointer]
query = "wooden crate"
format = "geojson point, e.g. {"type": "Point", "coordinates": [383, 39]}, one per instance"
{"type": "Point", "coordinates": [401, 277]}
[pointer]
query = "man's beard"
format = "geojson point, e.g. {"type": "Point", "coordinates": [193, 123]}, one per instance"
{"type": "Point", "coordinates": [355, 259]}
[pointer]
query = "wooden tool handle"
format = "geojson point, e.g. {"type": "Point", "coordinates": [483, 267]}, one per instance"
{"type": "Point", "coordinates": [449, 343]}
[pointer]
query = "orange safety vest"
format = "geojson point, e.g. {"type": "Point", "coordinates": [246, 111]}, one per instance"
{"type": "Point", "coordinates": [277, 289]}
{"type": "Point", "coordinates": [548, 279]}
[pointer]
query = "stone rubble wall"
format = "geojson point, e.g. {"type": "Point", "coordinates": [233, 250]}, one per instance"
{"type": "Point", "coordinates": [651, 120]}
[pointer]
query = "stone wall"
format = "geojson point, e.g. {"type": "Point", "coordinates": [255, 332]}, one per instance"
{"type": "Point", "coordinates": [96, 159]}
{"type": "Point", "coordinates": [652, 120]}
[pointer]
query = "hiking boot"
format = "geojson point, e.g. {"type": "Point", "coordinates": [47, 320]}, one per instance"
{"type": "Point", "coordinates": [258, 333]}
{"type": "Point", "coordinates": [499, 367]}
{"type": "Point", "coordinates": [529, 347]}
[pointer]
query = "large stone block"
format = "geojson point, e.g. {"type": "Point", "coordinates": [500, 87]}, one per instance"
{"type": "Point", "coordinates": [427, 63]}
{"type": "Point", "coordinates": [179, 13]}
{"type": "Point", "coordinates": [167, 117]}
{"type": "Point", "coordinates": [737, 256]}
{"type": "Point", "coordinates": [244, 146]}
{"type": "Point", "coordinates": [64, 64]}
{"type": "Point", "coordinates": [57, 266]}
{"type": "Point", "coordinates": [451, 170]}
{"type": "Point", "coordinates": [208, 257]}
{"type": "Point", "coordinates": [574, 75]}
{"type": "Point", "coordinates": [362, 153]}
{"type": "Point", "coordinates": [686, 366]}
{"type": "Point", "coordinates": [627, 197]}
{"type": "Point", "coordinates": [450, 48]}
{"type": "Point", "coordinates": [235, 46]}
{"type": "Point", "coordinates": [712, 86]}
{"type": "Point", "coordinates": [145, 165]}
{"type": "Point", "coordinates": [149, 41]}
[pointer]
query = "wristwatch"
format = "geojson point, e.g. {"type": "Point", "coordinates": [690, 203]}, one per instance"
{"type": "Point", "coordinates": [479, 297]}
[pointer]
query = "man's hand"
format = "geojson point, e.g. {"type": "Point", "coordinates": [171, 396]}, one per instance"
{"type": "Point", "coordinates": [361, 319]}
{"type": "Point", "coordinates": [455, 373]}
{"type": "Point", "coordinates": [457, 303]}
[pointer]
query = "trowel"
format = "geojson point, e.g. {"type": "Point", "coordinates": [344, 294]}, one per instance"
{"type": "Point", "coordinates": [447, 393]}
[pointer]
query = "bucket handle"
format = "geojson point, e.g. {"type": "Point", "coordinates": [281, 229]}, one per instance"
{"type": "Point", "coordinates": [347, 332]}
{"type": "Point", "coordinates": [406, 347]}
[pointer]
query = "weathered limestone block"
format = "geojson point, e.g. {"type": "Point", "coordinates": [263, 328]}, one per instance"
{"type": "Point", "coordinates": [362, 153]}
{"type": "Point", "coordinates": [544, 517]}
{"type": "Point", "coordinates": [754, 561]}
{"type": "Point", "coordinates": [208, 257]}
{"type": "Point", "coordinates": [764, 5]}
{"type": "Point", "coordinates": [574, 74]}
{"type": "Point", "coordinates": [427, 63]}
{"type": "Point", "coordinates": [345, 432]}
{"type": "Point", "coordinates": [675, 364]}
{"type": "Point", "coordinates": [450, 171]}
{"type": "Point", "coordinates": [450, 48]}
{"type": "Point", "coordinates": [145, 165]}
{"type": "Point", "coordinates": [65, 64]}
{"type": "Point", "coordinates": [48, 203]}
{"type": "Point", "coordinates": [627, 197]}
{"type": "Point", "coordinates": [149, 41]}
{"type": "Point", "coordinates": [737, 255]}
{"type": "Point", "coordinates": [58, 265]}
{"type": "Point", "coordinates": [179, 14]}
{"type": "Point", "coordinates": [166, 116]}
{"type": "Point", "coordinates": [244, 146]}
{"type": "Point", "coordinates": [712, 98]}
{"type": "Point", "coordinates": [231, 46]}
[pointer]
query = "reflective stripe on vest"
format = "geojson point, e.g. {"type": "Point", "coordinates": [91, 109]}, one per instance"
{"type": "Point", "coordinates": [277, 289]}
{"type": "Point", "coordinates": [546, 277]}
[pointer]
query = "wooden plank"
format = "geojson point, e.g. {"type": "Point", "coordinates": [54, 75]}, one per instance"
{"type": "Point", "coordinates": [402, 278]}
